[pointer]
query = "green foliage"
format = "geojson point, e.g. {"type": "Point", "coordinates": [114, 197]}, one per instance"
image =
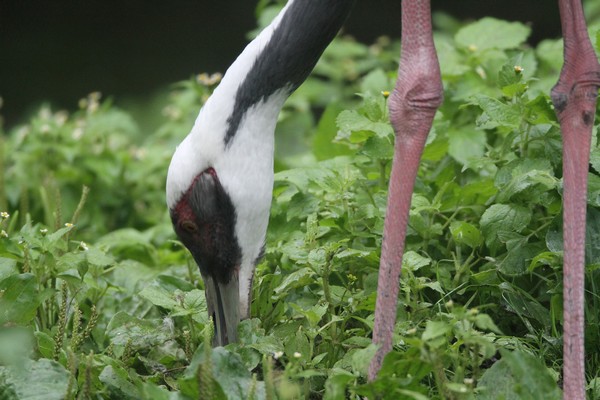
{"type": "Point", "coordinates": [108, 305]}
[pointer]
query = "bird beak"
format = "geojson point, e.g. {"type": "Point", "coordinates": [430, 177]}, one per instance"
{"type": "Point", "coordinates": [223, 300]}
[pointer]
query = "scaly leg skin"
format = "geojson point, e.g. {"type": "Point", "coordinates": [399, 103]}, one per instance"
{"type": "Point", "coordinates": [413, 103]}
{"type": "Point", "coordinates": [574, 98]}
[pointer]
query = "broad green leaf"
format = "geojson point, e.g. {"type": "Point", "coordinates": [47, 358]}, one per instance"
{"type": "Point", "coordinates": [520, 253]}
{"type": "Point", "coordinates": [466, 143]}
{"type": "Point", "coordinates": [124, 329]}
{"type": "Point", "coordinates": [335, 386]}
{"type": "Point", "coordinates": [530, 177]}
{"type": "Point", "coordinates": [352, 121]}
{"type": "Point", "coordinates": [499, 113]}
{"type": "Point", "coordinates": [361, 359]}
{"type": "Point", "coordinates": [491, 33]}
{"type": "Point", "coordinates": [8, 266]}
{"type": "Point", "coordinates": [466, 233]}
{"type": "Point", "coordinates": [301, 277]}
{"type": "Point", "coordinates": [435, 329]}
{"type": "Point", "coordinates": [526, 307]}
{"type": "Point", "coordinates": [36, 380]}
{"type": "Point", "coordinates": [378, 148]}
{"type": "Point", "coordinates": [485, 322]}
{"type": "Point", "coordinates": [19, 300]}
{"type": "Point", "coordinates": [414, 261]}
{"type": "Point", "coordinates": [229, 372]}
{"type": "Point", "coordinates": [540, 110]}
{"type": "Point", "coordinates": [375, 82]}
{"type": "Point", "coordinates": [298, 347]}
{"type": "Point", "coordinates": [518, 375]}
{"type": "Point", "coordinates": [500, 218]}
{"type": "Point", "coordinates": [118, 382]}
{"type": "Point", "coordinates": [45, 344]}
{"type": "Point", "coordinates": [16, 345]}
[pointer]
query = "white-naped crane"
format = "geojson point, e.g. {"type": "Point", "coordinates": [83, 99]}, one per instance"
{"type": "Point", "coordinates": [220, 178]}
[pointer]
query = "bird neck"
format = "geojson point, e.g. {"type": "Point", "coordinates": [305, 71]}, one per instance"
{"type": "Point", "coordinates": [277, 61]}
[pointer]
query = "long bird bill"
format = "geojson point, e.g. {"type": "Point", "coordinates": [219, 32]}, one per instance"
{"type": "Point", "coordinates": [223, 300]}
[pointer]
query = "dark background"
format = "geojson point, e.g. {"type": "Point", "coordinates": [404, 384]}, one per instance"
{"type": "Point", "coordinates": [60, 50]}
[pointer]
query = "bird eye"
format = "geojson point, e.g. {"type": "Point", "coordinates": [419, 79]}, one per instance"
{"type": "Point", "coordinates": [189, 227]}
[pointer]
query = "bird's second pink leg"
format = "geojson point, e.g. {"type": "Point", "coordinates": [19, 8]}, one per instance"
{"type": "Point", "coordinates": [413, 103]}
{"type": "Point", "coordinates": [574, 98]}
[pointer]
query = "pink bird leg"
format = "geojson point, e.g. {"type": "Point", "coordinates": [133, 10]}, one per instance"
{"type": "Point", "coordinates": [417, 95]}
{"type": "Point", "coordinates": [413, 103]}
{"type": "Point", "coordinates": [574, 98]}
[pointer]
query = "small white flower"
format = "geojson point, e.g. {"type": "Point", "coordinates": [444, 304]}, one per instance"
{"type": "Point", "coordinates": [277, 355]}
{"type": "Point", "coordinates": [468, 381]}
{"type": "Point", "coordinates": [4, 214]}
{"type": "Point", "coordinates": [69, 225]}
{"type": "Point", "coordinates": [207, 80]}
{"type": "Point", "coordinates": [61, 117]}
{"type": "Point", "coordinates": [84, 246]}
{"type": "Point", "coordinates": [43, 231]}
{"type": "Point", "coordinates": [77, 133]}
{"type": "Point", "coordinates": [297, 355]}
{"type": "Point", "coordinates": [3, 234]}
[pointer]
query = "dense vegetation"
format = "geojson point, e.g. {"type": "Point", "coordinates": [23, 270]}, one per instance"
{"type": "Point", "coordinates": [98, 299]}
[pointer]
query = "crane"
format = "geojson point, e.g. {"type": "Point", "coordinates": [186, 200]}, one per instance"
{"type": "Point", "coordinates": [220, 178]}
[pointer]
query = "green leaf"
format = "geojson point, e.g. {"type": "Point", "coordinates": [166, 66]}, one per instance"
{"type": "Point", "coordinates": [490, 33]}
{"type": "Point", "coordinates": [516, 376]}
{"type": "Point", "coordinates": [8, 266]}
{"type": "Point", "coordinates": [299, 278]}
{"type": "Point", "coordinates": [414, 261]}
{"type": "Point", "coordinates": [375, 82]}
{"type": "Point", "coordinates": [361, 359]}
{"type": "Point", "coordinates": [50, 378]}
{"type": "Point", "coordinates": [520, 252]}
{"type": "Point", "coordinates": [16, 345]}
{"type": "Point", "coordinates": [228, 370]}
{"type": "Point", "coordinates": [530, 177]}
{"type": "Point", "coordinates": [378, 148]}
{"type": "Point", "coordinates": [500, 218]}
{"type": "Point", "coordinates": [118, 382]}
{"type": "Point", "coordinates": [466, 144]}
{"type": "Point", "coordinates": [465, 233]}
{"type": "Point", "coordinates": [45, 344]}
{"type": "Point", "coordinates": [19, 299]}
{"type": "Point", "coordinates": [435, 329]}
{"type": "Point", "coordinates": [499, 113]}
{"type": "Point", "coordinates": [335, 386]}
{"type": "Point", "coordinates": [485, 322]}
{"type": "Point", "coordinates": [353, 122]}
{"type": "Point", "coordinates": [540, 110]}
{"type": "Point", "coordinates": [123, 329]}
